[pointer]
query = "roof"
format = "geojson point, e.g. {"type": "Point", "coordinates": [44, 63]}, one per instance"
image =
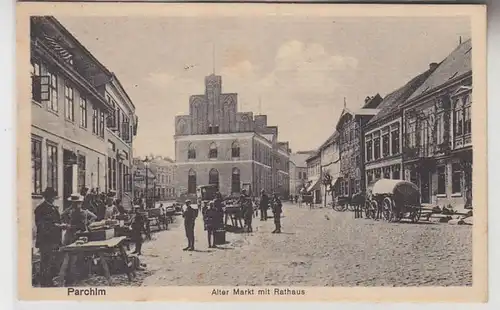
{"type": "Point", "coordinates": [313, 156]}
{"type": "Point", "coordinates": [330, 139]}
{"type": "Point", "coordinates": [454, 66]}
{"type": "Point", "coordinates": [392, 100]}
{"type": "Point", "coordinates": [299, 159]}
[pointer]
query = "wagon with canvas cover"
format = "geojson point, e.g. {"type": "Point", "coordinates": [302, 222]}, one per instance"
{"type": "Point", "coordinates": [394, 200]}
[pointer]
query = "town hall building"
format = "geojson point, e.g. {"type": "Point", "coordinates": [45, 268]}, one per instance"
{"type": "Point", "coordinates": [217, 144]}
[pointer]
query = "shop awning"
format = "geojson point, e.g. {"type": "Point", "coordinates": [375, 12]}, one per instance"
{"type": "Point", "coordinates": [314, 185]}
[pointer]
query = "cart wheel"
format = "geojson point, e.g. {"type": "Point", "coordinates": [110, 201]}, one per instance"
{"type": "Point", "coordinates": [338, 207]}
{"type": "Point", "coordinates": [388, 209]}
{"type": "Point", "coordinates": [416, 214]}
{"type": "Point", "coordinates": [367, 208]}
{"type": "Point", "coordinates": [374, 209]}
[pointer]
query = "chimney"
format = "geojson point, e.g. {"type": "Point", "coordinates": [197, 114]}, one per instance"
{"type": "Point", "coordinates": [433, 65]}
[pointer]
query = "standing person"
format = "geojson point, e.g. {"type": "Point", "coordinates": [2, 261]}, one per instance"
{"type": "Point", "coordinates": [111, 209]}
{"type": "Point", "coordinates": [210, 221]}
{"type": "Point", "coordinates": [219, 207]}
{"type": "Point", "coordinates": [48, 234]}
{"type": "Point", "coordinates": [137, 228]}
{"type": "Point", "coordinates": [190, 213]}
{"type": "Point", "coordinates": [277, 209]}
{"type": "Point", "coordinates": [247, 210]}
{"type": "Point", "coordinates": [78, 218]}
{"type": "Point", "coordinates": [263, 205]}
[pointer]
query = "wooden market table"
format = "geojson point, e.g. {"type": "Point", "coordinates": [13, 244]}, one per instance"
{"type": "Point", "coordinates": [100, 248]}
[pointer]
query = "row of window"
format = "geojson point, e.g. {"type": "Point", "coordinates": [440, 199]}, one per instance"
{"type": "Point", "coordinates": [302, 175]}
{"type": "Point", "coordinates": [457, 179]}
{"type": "Point", "coordinates": [213, 151]}
{"type": "Point", "coordinates": [389, 172]}
{"type": "Point", "coordinates": [52, 168]}
{"type": "Point", "coordinates": [213, 178]}
{"type": "Point", "coordinates": [119, 121]}
{"type": "Point", "coordinates": [383, 143]}
{"type": "Point", "coordinates": [46, 90]}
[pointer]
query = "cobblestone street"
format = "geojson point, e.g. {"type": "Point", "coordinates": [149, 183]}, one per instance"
{"type": "Point", "coordinates": [318, 247]}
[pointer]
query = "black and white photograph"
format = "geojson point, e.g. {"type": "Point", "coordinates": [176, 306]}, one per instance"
{"type": "Point", "coordinates": [259, 155]}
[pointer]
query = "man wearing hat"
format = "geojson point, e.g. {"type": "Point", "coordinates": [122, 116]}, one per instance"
{"type": "Point", "coordinates": [48, 234]}
{"type": "Point", "coordinates": [277, 210]}
{"type": "Point", "coordinates": [263, 205]}
{"type": "Point", "coordinates": [79, 218]}
{"type": "Point", "coordinates": [189, 213]}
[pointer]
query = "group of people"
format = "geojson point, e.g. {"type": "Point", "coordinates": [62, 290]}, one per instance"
{"type": "Point", "coordinates": [84, 208]}
{"type": "Point", "coordinates": [213, 215]}
{"type": "Point", "coordinates": [276, 207]}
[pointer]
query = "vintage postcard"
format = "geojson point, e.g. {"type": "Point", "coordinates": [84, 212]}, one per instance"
{"type": "Point", "coordinates": [251, 152]}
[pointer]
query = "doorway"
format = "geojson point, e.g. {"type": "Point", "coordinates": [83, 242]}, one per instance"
{"type": "Point", "coordinates": [425, 186]}
{"type": "Point", "coordinates": [68, 161]}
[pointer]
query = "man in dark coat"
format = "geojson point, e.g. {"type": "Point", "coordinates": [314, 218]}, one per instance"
{"type": "Point", "coordinates": [189, 213]}
{"type": "Point", "coordinates": [48, 234]}
{"type": "Point", "coordinates": [210, 218]}
{"type": "Point", "coordinates": [263, 205]}
{"type": "Point", "coordinates": [247, 210]}
{"type": "Point", "coordinates": [137, 228]}
{"type": "Point", "coordinates": [277, 209]}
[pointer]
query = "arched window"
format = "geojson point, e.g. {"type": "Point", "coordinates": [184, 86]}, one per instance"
{"type": "Point", "coordinates": [213, 177]}
{"type": "Point", "coordinates": [191, 152]}
{"type": "Point", "coordinates": [191, 182]}
{"type": "Point", "coordinates": [235, 181]}
{"type": "Point", "coordinates": [212, 153]}
{"type": "Point", "coordinates": [235, 149]}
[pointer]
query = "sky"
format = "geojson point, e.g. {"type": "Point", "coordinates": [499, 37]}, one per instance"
{"type": "Point", "coordinates": [297, 70]}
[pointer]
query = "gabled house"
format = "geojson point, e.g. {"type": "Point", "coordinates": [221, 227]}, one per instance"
{"type": "Point", "coordinates": [383, 134]}
{"type": "Point", "coordinates": [437, 151]}
{"type": "Point", "coordinates": [351, 145]}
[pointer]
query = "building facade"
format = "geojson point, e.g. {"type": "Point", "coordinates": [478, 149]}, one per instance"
{"type": "Point", "coordinates": [121, 128]}
{"type": "Point", "coordinates": [383, 133]}
{"type": "Point", "coordinates": [437, 153]}
{"type": "Point", "coordinates": [298, 171]}
{"type": "Point", "coordinates": [141, 172]}
{"type": "Point", "coordinates": [216, 144]}
{"type": "Point", "coordinates": [330, 168]}
{"type": "Point", "coordinates": [164, 171]}
{"type": "Point", "coordinates": [69, 136]}
{"type": "Point", "coordinates": [314, 176]}
{"type": "Point", "coordinates": [351, 146]}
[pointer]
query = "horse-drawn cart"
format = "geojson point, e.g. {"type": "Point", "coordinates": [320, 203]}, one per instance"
{"type": "Point", "coordinates": [393, 200]}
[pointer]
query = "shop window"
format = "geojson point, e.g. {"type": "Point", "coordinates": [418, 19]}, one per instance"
{"type": "Point", "coordinates": [396, 172]}
{"type": "Point", "coordinates": [36, 166]}
{"type": "Point", "coordinates": [191, 152]}
{"type": "Point", "coordinates": [212, 153]}
{"type": "Point", "coordinates": [456, 178]}
{"type": "Point", "coordinates": [52, 166]}
{"type": "Point", "coordinates": [235, 181]}
{"type": "Point", "coordinates": [441, 180]}
{"type": "Point", "coordinates": [192, 182]}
